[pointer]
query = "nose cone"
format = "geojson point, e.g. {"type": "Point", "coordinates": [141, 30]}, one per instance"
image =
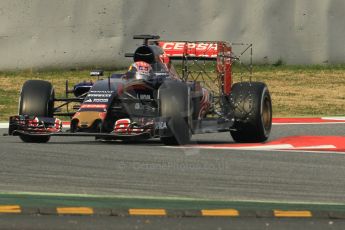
{"type": "Point", "coordinates": [87, 119]}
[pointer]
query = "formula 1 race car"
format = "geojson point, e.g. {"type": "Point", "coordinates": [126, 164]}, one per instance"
{"type": "Point", "coordinates": [152, 99]}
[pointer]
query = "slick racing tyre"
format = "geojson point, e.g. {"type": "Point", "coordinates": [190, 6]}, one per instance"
{"type": "Point", "coordinates": [252, 109]}
{"type": "Point", "coordinates": [34, 139]}
{"type": "Point", "coordinates": [174, 100]}
{"type": "Point", "coordinates": [36, 99]}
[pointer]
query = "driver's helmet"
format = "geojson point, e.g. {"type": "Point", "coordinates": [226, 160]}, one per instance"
{"type": "Point", "coordinates": [140, 70]}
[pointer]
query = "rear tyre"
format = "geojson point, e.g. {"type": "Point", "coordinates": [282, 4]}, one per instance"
{"type": "Point", "coordinates": [252, 107]}
{"type": "Point", "coordinates": [36, 99]}
{"type": "Point", "coordinates": [174, 101]}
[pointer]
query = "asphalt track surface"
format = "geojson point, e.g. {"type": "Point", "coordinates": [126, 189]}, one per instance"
{"type": "Point", "coordinates": [157, 223]}
{"type": "Point", "coordinates": [84, 166]}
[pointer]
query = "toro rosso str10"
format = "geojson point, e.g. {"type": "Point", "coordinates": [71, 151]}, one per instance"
{"type": "Point", "coordinates": [152, 99]}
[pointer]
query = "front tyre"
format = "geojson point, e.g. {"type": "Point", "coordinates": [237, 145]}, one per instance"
{"type": "Point", "coordinates": [252, 108]}
{"type": "Point", "coordinates": [34, 139]}
{"type": "Point", "coordinates": [36, 99]}
{"type": "Point", "coordinates": [174, 100]}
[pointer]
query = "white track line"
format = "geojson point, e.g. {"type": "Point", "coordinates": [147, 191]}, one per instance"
{"type": "Point", "coordinates": [311, 123]}
{"type": "Point", "coordinates": [259, 147]}
{"type": "Point", "coordinates": [291, 150]}
{"type": "Point", "coordinates": [334, 118]}
{"type": "Point", "coordinates": [264, 147]}
{"type": "Point", "coordinates": [3, 125]}
{"type": "Point", "coordinates": [317, 147]}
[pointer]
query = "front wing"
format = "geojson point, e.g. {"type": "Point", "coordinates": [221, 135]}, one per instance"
{"type": "Point", "coordinates": [23, 125]}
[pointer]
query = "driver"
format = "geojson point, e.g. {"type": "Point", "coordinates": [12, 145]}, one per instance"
{"type": "Point", "coordinates": [140, 71]}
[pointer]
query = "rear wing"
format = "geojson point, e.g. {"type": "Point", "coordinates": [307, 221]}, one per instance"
{"type": "Point", "coordinates": [217, 51]}
{"type": "Point", "coordinates": [197, 49]}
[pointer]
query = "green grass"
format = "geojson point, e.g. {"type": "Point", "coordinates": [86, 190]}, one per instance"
{"type": "Point", "coordinates": [58, 200]}
{"type": "Point", "coordinates": [297, 91]}
{"type": "Point", "coordinates": [305, 90]}
{"type": "Point", "coordinates": [299, 68]}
